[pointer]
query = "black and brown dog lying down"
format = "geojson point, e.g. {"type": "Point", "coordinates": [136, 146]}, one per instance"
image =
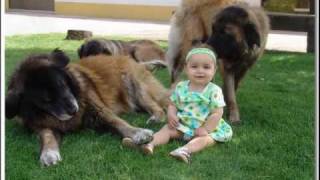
{"type": "Point", "coordinates": [236, 32]}
{"type": "Point", "coordinates": [142, 51]}
{"type": "Point", "coordinates": [52, 97]}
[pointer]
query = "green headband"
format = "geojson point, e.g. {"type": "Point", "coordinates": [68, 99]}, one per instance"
{"type": "Point", "coordinates": [202, 51]}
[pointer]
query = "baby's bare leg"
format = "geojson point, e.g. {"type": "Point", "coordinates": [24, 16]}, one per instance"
{"type": "Point", "coordinates": [164, 135]}
{"type": "Point", "coordinates": [199, 143]}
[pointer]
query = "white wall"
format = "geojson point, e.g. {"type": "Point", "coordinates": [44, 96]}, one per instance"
{"type": "Point", "coordinates": [146, 2]}
{"type": "Point", "coordinates": [131, 2]}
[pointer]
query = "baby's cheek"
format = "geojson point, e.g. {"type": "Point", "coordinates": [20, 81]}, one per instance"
{"type": "Point", "coordinates": [212, 74]}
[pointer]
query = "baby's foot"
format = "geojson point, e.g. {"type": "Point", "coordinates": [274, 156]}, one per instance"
{"type": "Point", "coordinates": [147, 149]}
{"type": "Point", "coordinates": [181, 154]}
{"type": "Point", "coordinates": [128, 142]}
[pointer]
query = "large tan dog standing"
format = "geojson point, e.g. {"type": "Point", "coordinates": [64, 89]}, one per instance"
{"type": "Point", "coordinates": [236, 32]}
{"type": "Point", "coordinates": [53, 97]}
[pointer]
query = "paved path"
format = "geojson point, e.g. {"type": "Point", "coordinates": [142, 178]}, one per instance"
{"type": "Point", "coordinates": [36, 22]}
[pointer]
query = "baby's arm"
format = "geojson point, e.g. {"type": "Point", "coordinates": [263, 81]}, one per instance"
{"type": "Point", "coordinates": [211, 123]}
{"type": "Point", "coordinates": [213, 119]}
{"type": "Point", "coordinates": [172, 116]}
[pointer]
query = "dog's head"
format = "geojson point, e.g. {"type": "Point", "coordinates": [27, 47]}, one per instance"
{"type": "Point", "coordinates": [42, 86]}
{"type": "Point", "coordinates": [93, 47]}
{"type": "Point", "coordinates": [233, 33]}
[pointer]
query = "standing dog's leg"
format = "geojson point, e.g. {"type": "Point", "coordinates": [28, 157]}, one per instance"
{"type": "Point", "coordinates": [230, 96]}
{"type": "Point", "coordinates": [50, 154]}
{"type": "Point", "coordinates": [138, 135]}
{"type": "Point", "coordinates": [240, 74]}
{"type": "Point", "coordinates": [238, 77]}
{"type": "Point", "coordinates": [176, 71]}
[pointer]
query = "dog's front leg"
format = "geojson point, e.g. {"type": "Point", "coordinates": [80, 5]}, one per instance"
{"type": "Point", "coordinates": [150, 103]}
{"type": "Point", "coordinates": [152, 107]}
{"type": "Point", "coordinates": [50, 154]}
{"type": "Point", "coordinates": [230, 96]}
{"type": "Point", "coordinates": [138, 135]}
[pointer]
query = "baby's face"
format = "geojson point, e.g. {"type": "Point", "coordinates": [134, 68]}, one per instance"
{"type": "Point", "coordinates": [200, 69]}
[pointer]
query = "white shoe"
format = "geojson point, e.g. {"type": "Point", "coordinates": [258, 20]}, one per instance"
{"type": "Point", "coordinates": [181, 154]}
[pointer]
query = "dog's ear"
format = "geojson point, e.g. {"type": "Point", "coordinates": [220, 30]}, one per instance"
{"type": "Point", "coordinates": [59, 58]}
{"type": "Point", "coordinates": [73, 85]}
{"type": "Point", "coordinates": [196, 42]}
{"type": "Point", "coordinates": [81, 51]}
{"type": "Point", "coordinates": [14, 94]}
{"type": "Point", "coordinates": [251, 34]}
{"type": "Point", "coordinates": [12, 104]}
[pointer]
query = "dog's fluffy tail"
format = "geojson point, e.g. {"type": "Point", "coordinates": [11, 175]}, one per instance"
{"type": "Point", "coordinates": [154, 64]}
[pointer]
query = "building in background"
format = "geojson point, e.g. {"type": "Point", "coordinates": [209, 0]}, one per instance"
{"type": "Point", "coordinates": [155, 10]}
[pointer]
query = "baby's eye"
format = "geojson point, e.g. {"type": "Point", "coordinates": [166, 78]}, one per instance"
{"type": "Point", "coordinates": [194, 66]}
{"type": "Point", "coordinates": [207, 67]}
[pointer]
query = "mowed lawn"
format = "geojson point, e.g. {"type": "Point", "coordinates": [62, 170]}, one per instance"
{"type": "Point", "coordinates": [274, 141]}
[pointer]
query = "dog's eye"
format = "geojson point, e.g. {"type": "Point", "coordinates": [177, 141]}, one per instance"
{"type": "Point", "coordinates": [47, 100]}
{"type": "Point", "coordinates": [62, 84]}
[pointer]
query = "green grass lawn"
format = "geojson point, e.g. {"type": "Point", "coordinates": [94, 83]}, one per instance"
{"type": "Point", "coordinates": [275, 140]}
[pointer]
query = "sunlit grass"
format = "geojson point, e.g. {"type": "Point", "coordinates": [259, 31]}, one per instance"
{"type": "Point", "coordinates": [275, 140]}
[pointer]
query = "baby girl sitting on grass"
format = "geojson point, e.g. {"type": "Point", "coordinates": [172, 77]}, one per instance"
{"type": "Point", "coordinates": [195, 112]}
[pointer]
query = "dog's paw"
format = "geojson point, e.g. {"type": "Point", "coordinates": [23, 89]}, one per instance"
{"type": "Point", "coordinates": [157, 116]}
{"type": "Point", "coordinates": [234, 117]}
{"type": "Point", "coordinates": [142, 136]}
{"type": "Point", "coordinates": [50, 157]}
{"type": "Point", "coordinates": [155, 119]}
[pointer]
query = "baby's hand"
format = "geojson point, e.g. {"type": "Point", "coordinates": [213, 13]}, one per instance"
{"type": "Point", "coordinates": [201, 131]}
{"type": "Point", "coordinates": [173, 121]}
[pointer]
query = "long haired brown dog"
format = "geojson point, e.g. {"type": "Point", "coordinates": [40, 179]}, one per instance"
{"type": "Point", "coordinates": [142, 51]}
{"type": "Point", "coordinates": [236, 32]}
{"type": "Point", "coordinates": [191, 22]}
{"type": "Point", "coordinates": [52, 97]}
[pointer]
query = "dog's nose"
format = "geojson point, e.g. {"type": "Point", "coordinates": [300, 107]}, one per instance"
{"type": "Point", "coordinates": [74, 108]}
{"type": "Point", "coordinates": [73, 111]}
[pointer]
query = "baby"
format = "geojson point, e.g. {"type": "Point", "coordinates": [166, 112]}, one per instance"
{"type": "Point", "coordinates": [196, 109]}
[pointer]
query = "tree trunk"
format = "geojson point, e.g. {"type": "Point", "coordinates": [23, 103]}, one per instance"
{"type": "Point", "coordinates": [78, 34]}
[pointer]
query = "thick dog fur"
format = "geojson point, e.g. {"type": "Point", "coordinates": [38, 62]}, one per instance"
{"type": "Point", "coordinates": [235, 31]}
{"type": "Point", "coordinates": [52, 97]}
{"type": "Point", "coordinates": [142, 51]}
{"type": "Point", "coordinates": [192, 21]}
